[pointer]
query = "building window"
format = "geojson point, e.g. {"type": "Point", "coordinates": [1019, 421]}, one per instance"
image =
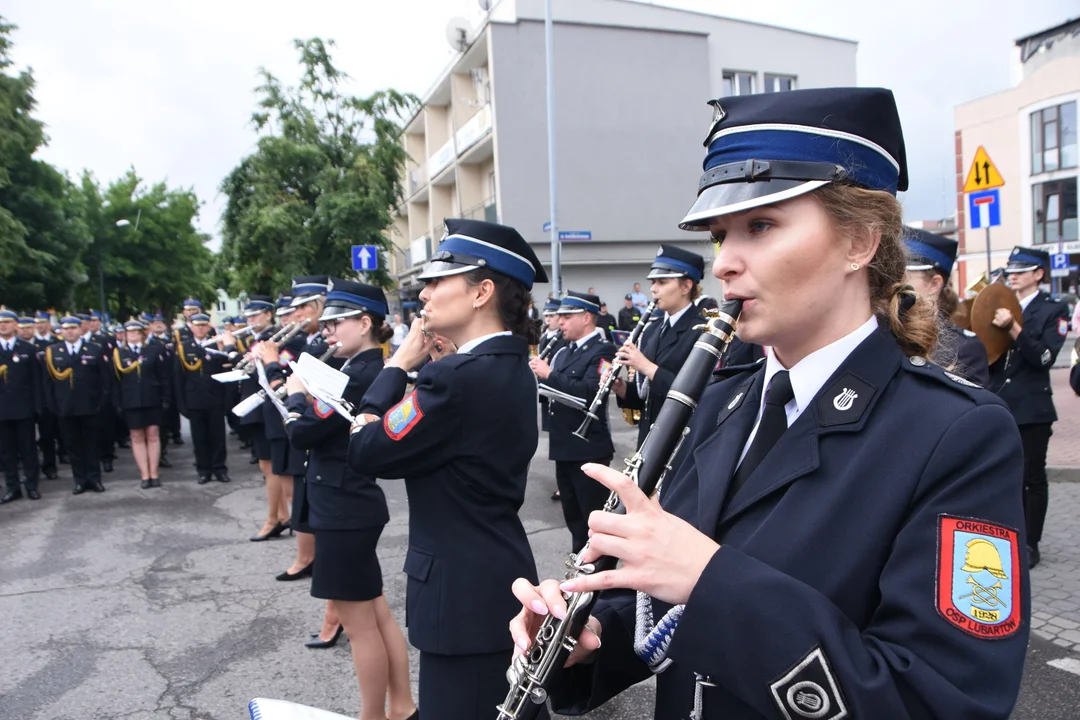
{"type": "Point", "coordinates": [779, 83]}
{"type": "Point", "coordinates": [1055, 211]}
{"type": "Point", "coordinates": [738, 83]}
{"type": "Point", "coordinates": [1053, 138]}
{"type": "Point", "coordinates": [221, 306]}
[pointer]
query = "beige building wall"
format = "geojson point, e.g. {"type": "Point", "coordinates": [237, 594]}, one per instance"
{"type": "Point", "coordinates": [1000, 123]}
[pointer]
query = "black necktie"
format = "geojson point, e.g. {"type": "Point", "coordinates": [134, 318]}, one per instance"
{"type": "Point", "coordinates": [772, 426]}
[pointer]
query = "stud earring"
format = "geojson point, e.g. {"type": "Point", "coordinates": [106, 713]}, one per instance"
{"type": "Point", "coordinates": [854, 266]}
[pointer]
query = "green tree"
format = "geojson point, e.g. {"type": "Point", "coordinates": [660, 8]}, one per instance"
{"type": "Point", "coordinates": [42, 236]}
{"type": "Point", "coordinates": [155, 260]}
{"type": "Point", "coordinates": [325, 175]}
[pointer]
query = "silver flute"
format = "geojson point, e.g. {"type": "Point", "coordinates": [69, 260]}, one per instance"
{"type": "Point", "coordinates": [282, 336]}
{"type": "Point", "coordinates": [531, 673]}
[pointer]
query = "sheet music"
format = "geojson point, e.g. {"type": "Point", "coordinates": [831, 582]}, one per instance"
{"type": "Point", "coordinates": [561, 397]}
{"type": "Point", "coordinates": [265, 385]}
{"type": "Point", "coordinates": [321, 380]}
{"type": "Point", "coordinates": [229, 376]}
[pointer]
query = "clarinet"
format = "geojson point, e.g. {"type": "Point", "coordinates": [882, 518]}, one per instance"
{"type": "Point", "coordinates": [531, 673]}
{"type": "Point", "coordinates": [549, 349]}
{"type": "Point", "coordinates": [605, 386]}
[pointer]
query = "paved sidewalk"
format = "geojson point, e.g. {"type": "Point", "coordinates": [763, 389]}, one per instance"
{"type": "Point", "coordinates": [1063, 457]}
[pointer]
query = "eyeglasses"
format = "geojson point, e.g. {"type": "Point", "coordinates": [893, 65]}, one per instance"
{"type": "Point", "coordinates": [329, 325]}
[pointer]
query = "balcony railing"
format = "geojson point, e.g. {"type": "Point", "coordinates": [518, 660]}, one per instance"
{"type": "Point", "coordinates": [441, 159]}
{"type": "Point", "coordinates": [485, 210]}
{"type": "Point", "coordinates": [420, 250]}
{"type": "Point", "coordinates": [474, 129]}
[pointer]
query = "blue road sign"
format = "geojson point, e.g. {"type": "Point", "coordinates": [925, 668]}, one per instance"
{"type": "Point", "coordinates": [547, 226]}
{"type": "Point", "coordinates": [1059, 261]}
{"type": "Point", "coordinates": [984, 209]}
{"type": "Point", "coordinates": [365, 257]}
{"type": "Point", "coordinates": [573, 235]}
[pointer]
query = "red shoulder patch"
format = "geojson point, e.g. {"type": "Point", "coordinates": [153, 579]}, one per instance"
{"type": "Point", "coordinates": [403, 417]}
{"type": "Point", "coordinates": [978, 576]}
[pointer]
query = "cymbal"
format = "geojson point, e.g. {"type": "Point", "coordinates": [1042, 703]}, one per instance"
{"type": "Point", "coordinates": [989, 300]}
{"type": "Point", "coordinates": [961, 317]}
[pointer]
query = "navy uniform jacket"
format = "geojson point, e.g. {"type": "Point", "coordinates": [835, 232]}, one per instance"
{"type": "Point", "coordinates": [168, 347]}
{"type": "Point", "coordinates": [250, 385]}
{"type": "Point", "coordinates": [20, 386]}
{"type": "Point", "coordinates": [87, 390]}
{"type": "Point", "coordinates": [546, 338]}
{"type": "Point", "coordinates": [579, 375]}
{"type": "Point", "coordinates": [1021, 377]}
{"type": "Point", "coordinates": [338, 497]}
{"type": "Point", "coordinates": [739, 356]}
{"type": "Point", "coordinates": [849, 558]}
{"type": "Point", "coordinates": [291, 351]}
{"type": "Point", "coordinates": [462, 439]}
{"type": "Point", "coordinates": [197, 389]}
{"type": "Point", "coordinates": [969, 353]}
{"type": "Point", "coordinates": [145, 387]}
{"type": "Point", "coordinates": [669, 352]}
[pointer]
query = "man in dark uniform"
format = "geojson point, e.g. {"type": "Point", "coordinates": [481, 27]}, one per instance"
{"type": "Point", "coordinates": [259, 312]}
{"type": "Point", "coordinates": [48, 430]}
{"type": "Point", "coordinates": [231, 391]}
{"type": "Point", "coordinates": [629, 315]}
{"type": "Point", "coordinates": [77, 387]}
{"type": "Point", "coordinates": [664, 344]}
{"type": "Point", "coordinates": [190, 308]}
{"type": "Point", "coordinates": [25, 328]}
{"type": "Point", "coordinates": [20, 397]}
{"type": "Point", "coordinates": [928, 270]}
{"type": "Point", "coordinates": [606, 321]}
{"type": "Point", "coordinates": [576, 370]}
{"type": "Point", "coordinates": [106, 431]}
{"type": "Point", "coordinates": [201, 400]}
{"type": "Point", "coordinates": [1021, 377]}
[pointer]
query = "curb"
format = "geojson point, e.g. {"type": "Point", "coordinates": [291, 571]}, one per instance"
{"type": "Point", "coordinates": [1063, 474]}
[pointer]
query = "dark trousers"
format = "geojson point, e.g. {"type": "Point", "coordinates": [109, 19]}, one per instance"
{"type": "Point", "coordinates": [106, 433]}
{"type": "Point", "coordinates": [49, 439]}
{"type": "Point", "coordinates": [170, 423]}
{"type": "Point", "coordinates": [84, 447]}
{"type": "Point", "coordinates": [580, 495]}
{"type": "Point", "coordinates": [1035, 439]}
{"type": "Point", "coordinates": [464, 687]}
{"type": "Point", "coordinates": [17, 443]}
{"type": "Point", "coordinates": [208, 437]}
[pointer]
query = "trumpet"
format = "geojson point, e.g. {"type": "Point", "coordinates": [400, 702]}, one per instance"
{"type": "Point", "coordinates": [282, 336]}
{"type": "Point", "coordinates": [605, 386]}
{"type": "Point", "coordinates": [531, 673]}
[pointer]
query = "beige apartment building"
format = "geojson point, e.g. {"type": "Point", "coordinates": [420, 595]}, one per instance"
{"type": "Point", "coordinates": [631, 85]}
{"type": "Point", "coordinates": [1029, 132]}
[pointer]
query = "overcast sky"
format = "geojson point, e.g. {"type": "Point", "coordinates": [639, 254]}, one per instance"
{"type": "Point", "coordinates": [166, 86]}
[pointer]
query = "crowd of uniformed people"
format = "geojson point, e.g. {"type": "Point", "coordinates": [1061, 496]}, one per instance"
{"type": "Point", "coordinates": [846, 531]}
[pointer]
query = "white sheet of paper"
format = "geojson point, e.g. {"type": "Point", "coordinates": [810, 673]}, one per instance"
{"type": "Point", "coordinates": [320, 379]}
{"type": "Point", "coordinates": [265, 385]}
{"type": "Point", "coordinates": [561, 397]}
{"type": "Point", "coordinates": [229, 376]}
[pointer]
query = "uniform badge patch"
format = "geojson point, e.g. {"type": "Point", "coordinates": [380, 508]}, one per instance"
{"type": "Point", "coordinates": [285, 357]}
{"type": "Point", "coordinates": [1063, 327]}
{"type": "Point", "coordinates": [809, 690]}
{"type": "Point", "coordinates": [322, 410]}
{"type": "Point", "coordinates": [403, 417]}
{"type": "Point", "coordinates": [604, 368]}
{"type": "Point", "coordinates": [1046, 357]}
{"type": "Point", "coordinates": [960, 380]}
{"type": "Point", "coordinates": [978, 584]}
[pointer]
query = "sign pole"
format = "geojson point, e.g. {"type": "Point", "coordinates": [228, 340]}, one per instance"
{"type": "Point", "coordinates": [988, 268]}
{"type": "Point", "coordinates": [556, 250]}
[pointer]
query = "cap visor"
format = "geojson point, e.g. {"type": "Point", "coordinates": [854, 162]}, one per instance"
{"type": "Point", "coordinates": [1012, 269]}
{"type": "Point", "coordinates": [661, 273]}
{"type": "Point", "coordinates": [338, 312]}
{"type": "Point", "coordinates": [439, 268]}
{"type": "Point", "coordinates": [569, 311]}
{"type": "Point", "coordinates": [920, 266]}
{"type": "Point", "coordinates": [303, 299]}
{"type": "Point", "coordinates": [734, 197]}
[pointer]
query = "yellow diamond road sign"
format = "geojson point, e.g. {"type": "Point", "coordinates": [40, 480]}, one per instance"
{"type": "Point", "coordinates": [983, 174]}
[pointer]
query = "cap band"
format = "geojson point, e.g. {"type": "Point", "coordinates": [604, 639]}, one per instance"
{"type": "Point", "coordinates": [470, 252]}
{"type": "Point", "coordinates": [357, 301]}
{"type": "Point", "coordinates": [920, 250]}
{"type": "Point", "coordinates": [664, 262]}
{"type": "Point", "coordinates": [572, 304]}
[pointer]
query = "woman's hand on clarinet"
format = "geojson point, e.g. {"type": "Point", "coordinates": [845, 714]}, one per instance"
{"type": "Point", "coordinates": [661, 554]}
{"type": "Point", "coordinates": [618, 386]}
{"type": "Point", "coordinates": [631, 356]}
{"type": "Point", "coordinates": [537, 602]}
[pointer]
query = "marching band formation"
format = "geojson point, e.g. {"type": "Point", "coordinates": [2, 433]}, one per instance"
{"type": "Point", "coordinates": [827, 516]}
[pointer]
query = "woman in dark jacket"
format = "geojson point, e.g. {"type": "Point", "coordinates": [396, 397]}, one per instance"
{"type": "Point", "coordinates": [143, 375]}
{"type": "Point", "coordinates": [346, 509]}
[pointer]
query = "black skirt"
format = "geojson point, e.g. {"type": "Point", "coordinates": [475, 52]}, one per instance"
{"type": "Point", "coordinates": [285, 459]}
{"type": "Point", "coordinates": [346, 566]}
{"type": "Point", "coordinates": [142, 418]}
{"type": "Point", "coordinates": [299, 519]}
{"type": "Point", "coordinates": [260, 443]}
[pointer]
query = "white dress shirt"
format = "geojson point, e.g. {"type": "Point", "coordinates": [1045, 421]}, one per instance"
{"type": "Point", "coordinates": [1024, 302]}
{"type": "Point", "coordinates": [471, 345]}
{"type": "Point", "coordinates": [809, 374]}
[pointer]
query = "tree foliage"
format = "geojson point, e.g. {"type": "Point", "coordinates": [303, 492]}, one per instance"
{"type": "Point", "coordinates": [325, 175]}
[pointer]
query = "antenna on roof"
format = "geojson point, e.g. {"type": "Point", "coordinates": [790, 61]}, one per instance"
{"type": "Point", "coordinates": [458, 33]}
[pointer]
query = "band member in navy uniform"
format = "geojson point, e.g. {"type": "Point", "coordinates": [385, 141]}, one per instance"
{"type": "Point", "coordinates": [78, 385]}
{"type": "Point", "coordinates": [20, 398]}
{"type": "Point", "coordinates": [345, 508]}
{"type": "Point", "coordinates": [551, 341]}
{"type": "Point", "coordinates": [462, 439]}
{"type": "Point", "coordinates": [840, 536]}
{"type": "Point", "coordinates": [49, 440]}
{"type": "Point", "coordinates": [928, 270]}
{"type": "Point", "coordinates": [676, 276]}
{"type": "Point", "coordinates": [1021, 377]}
{"type": "Point", "coordinates": [106, 434]}
{"type": "Point", "coordinates": [142, 374]}
{"type": "Point", "coordinates": [201, 398]}
{"type": "Point", "coordinates": [576, 370]}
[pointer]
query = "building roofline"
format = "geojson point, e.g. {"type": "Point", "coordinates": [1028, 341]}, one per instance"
{"type": "Point", "coordinates": [613, 26]}
{"type": "Point", "coordinates": [1049, 31]}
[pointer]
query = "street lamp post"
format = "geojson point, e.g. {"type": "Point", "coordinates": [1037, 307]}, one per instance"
{"type": "Point", "coordinates": [122, 222]}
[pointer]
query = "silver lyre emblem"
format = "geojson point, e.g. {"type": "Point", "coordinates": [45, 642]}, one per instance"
{"type": "Point", "coordinates": [843, 401]}
{"type": "Point", "coordinates": [734, 401]}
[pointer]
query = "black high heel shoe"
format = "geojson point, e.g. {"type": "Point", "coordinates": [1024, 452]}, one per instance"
{"type": "Point", "coordinates": [274, 532]}
{"type": "Point", "coordinates": [318, 644]}
{"type": "Point", "coordinates": [304, 572]}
